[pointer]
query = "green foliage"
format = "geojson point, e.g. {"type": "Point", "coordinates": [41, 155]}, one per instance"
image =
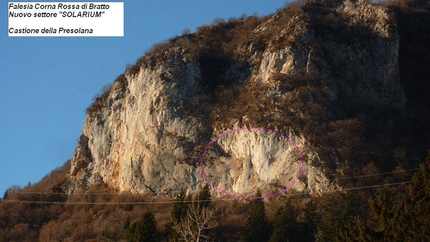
{"type": "Point", "coordinates": [177, 214]}
{"type": "Point", "coordinates": [127, 223]}
{"type": "Point", "coordinates": [309, 225]}
{"type": "Point", "coordinates": [179, 210]}
{"type": "Point", "coordinates": [144, 230]}
{"type": "Point", "coordinates": [336, 217]}
{"type": "Point", "coordinates": [285, 226]}
{"type": "Point", "coordinates": [417, 208]}
{"type": "Point", "coordinates": [204, 197]}
{"type": "Point", "coordinates": [257, 227]}
{"type": "Point", "coordinates": [383, 211]}
{"type": "Point", "coordinates": [392, 219]}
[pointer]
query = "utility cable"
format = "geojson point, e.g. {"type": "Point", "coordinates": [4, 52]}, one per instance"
{"type": "Point", "coordinates": [186, 201]}
{"type": "Point", "coordinates": [119, 193]}
{"type": "Point", "coordinates": [375, 174]}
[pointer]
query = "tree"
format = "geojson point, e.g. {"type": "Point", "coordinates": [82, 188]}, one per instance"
{"type": "Point", "coordinates": [128, 230]}
{"type": "Point", "coordinates": [387, 221]}
{"type": "Point", "coordinates": [418, 205]}
{"type": "Point", "coordinates": [148, 227]}
{"type": "Point", "coordinates": [178, 213]}
{"type": "Point", "coordinates": [394, 219]}
{"type": "Point", "coordinates": [186, 31]}
{"type": "Point", "coordinates": [217, 21]}
{"type": "Point", "coordinates": [309, 226]}
{"type": "Point", "coordinates": [144, 230]}
{"type": "Point", "coordinates": [285, 227]}
{"type": "Point", "coordinates": [257, 226]}
{"type": "Point", "coordinates": [197, 225]}
{"type": "Point", "coordinates": [180, 207]}
{"type": "Point", "coordinates": [11, 190]}
{"type": "Point", "coordinates": [196, 222]}
{"type": "Point", "coordinates": [383, 210]}
{"type": "Point", "coordinates": [204, 197]}
{"type": "Point", "coordinates": [335, 218]}
{"type": "Point", "coordinates": [127, 223]}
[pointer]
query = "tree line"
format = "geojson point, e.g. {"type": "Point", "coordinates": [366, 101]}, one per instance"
{"type": "Point", "coordinates": [390, 215]}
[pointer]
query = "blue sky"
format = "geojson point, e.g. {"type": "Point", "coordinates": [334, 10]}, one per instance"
{"type": "Point", "coordinates": [47, 83]}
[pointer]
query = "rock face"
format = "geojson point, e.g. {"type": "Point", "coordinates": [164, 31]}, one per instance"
{"type": "Point", "coordinates": [149, 131]}
{"type": "Point", "coordinates": [253, 158]}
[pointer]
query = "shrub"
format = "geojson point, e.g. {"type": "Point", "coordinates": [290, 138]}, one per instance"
{"type": "Point", "coordinates": [100, 101]}
{"type": "Point", "coordinates": [186, 31]}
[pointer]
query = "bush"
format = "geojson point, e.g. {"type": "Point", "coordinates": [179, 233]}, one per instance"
{"type": "Point", "coordinates": [100, 101]}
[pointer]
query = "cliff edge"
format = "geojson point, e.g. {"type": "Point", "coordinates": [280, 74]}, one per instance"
{"type": "Point", "coordinates": [306, 72]}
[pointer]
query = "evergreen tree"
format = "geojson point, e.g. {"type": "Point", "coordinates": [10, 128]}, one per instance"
{"type": "Point", "coordinates": [355, 230]}
{"type": "Point", "coordinates": [128, 230]}
{"type": "Point", "coordinates": [389, 222]}
{"type": "Point", "coordinates": [148, 227]}
{"type": "Point", "coordinates": [383, 212]}
{"type": "Point", "coordinates": [418, 206]}
{"type": "Point", "coordinates": [204, 197]}
{"type": "Point", "coordinates": [410, 221]}
{"type": "Point", "coordinates": [144, 230]}
{"type": "Point", "coordinates": [285, 225]}
{"type": "Point", "coordinates": [178, 213]}
{"type": "Point", "coordinates": [257, 227]}
{"type": "Point", "coordinates": [394, 220]}
{"type": "Point", "coordinates": [179, 210]}
{"type": "Point", "coordinates": [309, 225]}
{"type": "Point", "coordinates": [336, 218]}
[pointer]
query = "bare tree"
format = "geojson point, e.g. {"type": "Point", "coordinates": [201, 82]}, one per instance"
{"type": "Point", "coordinates": [197, 225]}
{"type": "Point", "coordinates": [186, 31]}
{"type": "Point", "coordinates": [217, 21]}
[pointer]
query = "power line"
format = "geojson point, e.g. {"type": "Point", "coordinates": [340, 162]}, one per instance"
{"type": "Point", "coordinates": [374, 174]}
{"type": "Point", "coordinates": [65, 193]}
{"type": "Point", "coordinates": [415, 147]}
{"type": "Point", "coordinates": [189, 201]}
{"type": "Point", "coordinates": [375, 186]}
{"type": "Point", "coordinates": [114, 203]}
{"type": "Point", "coordinates": [125, 193]}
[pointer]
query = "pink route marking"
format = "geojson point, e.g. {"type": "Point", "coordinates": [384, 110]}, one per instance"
{"type": "Point", "coordinates": [249, 197]}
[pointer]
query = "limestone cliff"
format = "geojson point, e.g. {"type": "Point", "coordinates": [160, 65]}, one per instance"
{"type": "Point", "coordinates": [291, 72]}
